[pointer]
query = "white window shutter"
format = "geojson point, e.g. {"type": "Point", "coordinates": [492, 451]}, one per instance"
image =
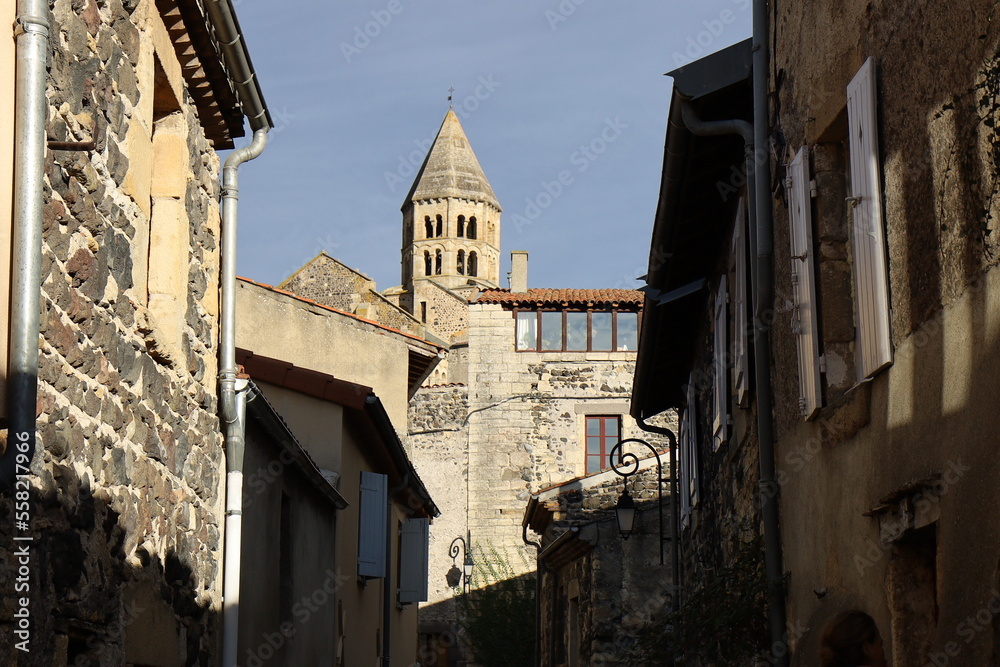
{"type": "Point", "coordinates": [741, 379]}
{"type": "Point", "coordinates": [692, 433]}
{"type": "Point", "coordinates": [413, 561]}
{"type": "Point", "coordinates": [720, 418]}
{"type": "Point", "coordinates": [874, 341]}
{"type": "Point", "coordinates": [685, 477]}
{"type": "Point", "coordinates": [373, 508]}
{"type": "Point", "coordinates": [804, 316]}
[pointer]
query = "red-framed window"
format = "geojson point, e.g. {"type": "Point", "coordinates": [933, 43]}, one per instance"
{"type": "Point", "coordinates": [576, 331]}
{"type": "Point", "coordinates": [602, 433]}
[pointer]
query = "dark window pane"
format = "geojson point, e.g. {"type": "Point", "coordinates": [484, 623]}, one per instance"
{"type": "Point", "coordinates": [627, 332]}
{"type": "Point", "coordinates": [576, 331]}
{"type": "Point", "coordinates": [527, 331]}
{"type": "Point", "coordinates": [611, 426]}
{"type": "Point", "coordinates": [593, 425]}
{"type": "Point", "coordinates": [600, 329]}
{"type": "Point", "coordinates": [593, 446]}
{"type": "Point", "coordinates": [552, 331]}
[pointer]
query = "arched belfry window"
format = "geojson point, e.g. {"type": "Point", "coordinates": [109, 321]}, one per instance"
{"type": "Point", "coordinates": [440, 227]}
{"type": "Point", "coordinates": [427, 263]}
{"type": "Point", "coordinates": [473, 263]}
{"type": "Point", "coordinates": [470, 231]}
{"type": "Point", "coordinates": [429, 227]}
{"type": "Point", "coordinates": [461, 261]}
{"type": "Point", "coordinates": [461, 226]}
{"type": "Point", "coordinates": [437, 262]}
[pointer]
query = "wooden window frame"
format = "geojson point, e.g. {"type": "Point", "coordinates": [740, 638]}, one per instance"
{"type": "Point", "coordinates": [602, 436]}
{"type": "Point", "coordinates": [565, 331]}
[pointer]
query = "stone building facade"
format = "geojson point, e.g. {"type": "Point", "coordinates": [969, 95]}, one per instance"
{"type": "Point", "coordinates": [125, 566]}
{"type": "Point", "coordinates": [599, 591]}
{"type": "Point", "coordinates": [495, 421]}
{"type": "Point", "coordinates": [883, 340]}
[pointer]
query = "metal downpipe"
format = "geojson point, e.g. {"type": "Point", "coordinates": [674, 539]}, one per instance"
{"type": "Point", "coordinates": [540, 570]}
{"type": "Point", "coordinates": [228, 402]}
{"type": "Point", "coordinates": [31, 32]}
{"type": "Point", "coordinates": [675, 525]}
{"type": "Point", "coordinates": [762, 222]}
{"type": "Point", "coordinates": [763, 304]}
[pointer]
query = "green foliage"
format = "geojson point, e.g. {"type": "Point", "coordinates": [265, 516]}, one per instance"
{"type": "Point", "coordinates": [723, 623]}
{"type": "Point", "coordinates": [498, 614]}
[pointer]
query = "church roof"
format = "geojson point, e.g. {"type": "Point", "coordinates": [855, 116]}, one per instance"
{"type": "Point", "coordinates": [451, 168]}
{"type": "Point", "coordinates": [562, 297]}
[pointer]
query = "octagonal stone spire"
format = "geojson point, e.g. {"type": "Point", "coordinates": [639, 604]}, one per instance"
{"type": "Point", "coordinates": [451, 169]}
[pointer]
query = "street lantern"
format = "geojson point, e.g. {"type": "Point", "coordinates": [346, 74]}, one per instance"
{"type": "Point", "coordinates": [625, 513]}
{"type": "Point", "coordinates": [455, 577]}
{"type": "Point", "coordinates": [625, 464]}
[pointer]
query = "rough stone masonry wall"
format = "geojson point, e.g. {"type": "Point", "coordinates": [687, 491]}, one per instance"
{"type": "Point", "coordinates": [446, 313]}
{"type": "Point", "coordinates": [437, 442]}
{"type": "Point", "coordinates": [127, 475]}
{"type": "Point", "coordinates": [330, 283]}
{"type": "Point", "coordinates": [622, 586]}
{"type": "Point", "coordinates": [526, 423]}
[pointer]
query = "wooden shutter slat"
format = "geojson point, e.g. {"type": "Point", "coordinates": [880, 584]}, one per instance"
{"type": "Point", "coordinates": [874, 340]}
{"type": "Point", "coordinates": [804, 317]}
{"type": "Point", "coordinates": [721, 382]}
{"type": "Point", "coordinates": [692, 432]}
{"type": "Point", "coordinates": [741, 381]}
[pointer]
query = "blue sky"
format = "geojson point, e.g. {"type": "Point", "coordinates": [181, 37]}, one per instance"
{"type": "Point", "coordinates": [543, 87]}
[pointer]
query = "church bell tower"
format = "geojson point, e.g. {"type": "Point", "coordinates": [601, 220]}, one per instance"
{"type": "Point", "coordinates": [451, 219]}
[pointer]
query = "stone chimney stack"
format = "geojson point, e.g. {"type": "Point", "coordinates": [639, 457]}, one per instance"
{"type": "Point", "coordinates": [519, 271]}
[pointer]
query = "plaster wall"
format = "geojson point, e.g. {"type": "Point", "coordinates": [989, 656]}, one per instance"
{"type": "Point", "coordinates": [352, 350]}
{"type": "Point", "coordinates": [362, 599]}
{"type": "Point", "coordinates": [285, 614]}
{"type": "Point", "coordinates": [931, 414]}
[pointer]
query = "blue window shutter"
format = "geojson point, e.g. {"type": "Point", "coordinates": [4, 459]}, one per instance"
{"type": "Point", "coordinates": [373, 506]}
{"type": "Point", "coordinates": [413, 545]}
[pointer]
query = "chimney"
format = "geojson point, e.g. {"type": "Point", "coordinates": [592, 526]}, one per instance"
{"type": "Point", "coordinates": [519, 271]}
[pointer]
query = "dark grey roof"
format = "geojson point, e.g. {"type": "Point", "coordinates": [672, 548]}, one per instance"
{"type": "Point", "coordinates": [451, 169]}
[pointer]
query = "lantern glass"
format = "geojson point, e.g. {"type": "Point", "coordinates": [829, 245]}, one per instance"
{"type": "Point", "coordinates": [625, 513]}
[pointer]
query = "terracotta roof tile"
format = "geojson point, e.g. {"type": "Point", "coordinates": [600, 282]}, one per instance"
{"type": "Point", "coordinates": [562, 297]}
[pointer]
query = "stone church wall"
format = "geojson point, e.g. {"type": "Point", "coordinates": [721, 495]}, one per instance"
{"type": "Point", "coordinates": [436, 440]}
{"type": "Point", "coordinates": [527, 419]}
{"type": "Point", "coordinates": [328, 282]}
{"type": "Point", "coordinates": [126, 487]}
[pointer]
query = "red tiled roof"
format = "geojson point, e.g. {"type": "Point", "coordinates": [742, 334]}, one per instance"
{"type": "Point", "coordinates": [302, 380]}
{"type": "Point", "coordinates": [562, 297]}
